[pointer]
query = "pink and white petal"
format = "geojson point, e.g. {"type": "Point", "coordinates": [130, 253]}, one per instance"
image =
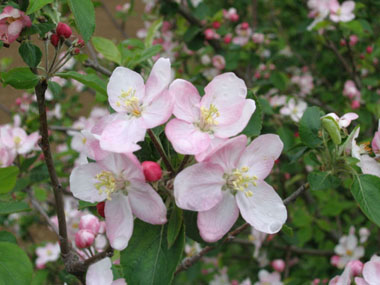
{"type": "Point", "coordinates": [227, 154]}
{"type": "Point", "coordinates": [369, 165]}
{"type": "Point", "coordinates": [121, 135]}
{"type": "Point", "coordinates": [119, 221]}
{"type": "Point", "coordinates": [92, 147]}
{"type": "Point", "coordinates": [260, 155]}
{"type": "Point", "coordinates": [158, 111]}
{"type": "Point", "coordinates": [199, 187]}
{"type": "Point", "coordinates": [146, 204]}
{"type": "Point", "coordinates": [6, 137]}
{"type": "Point", "coordinates": [216, 222]}
{"type": "Point", "coordinates": [122, 80]}
{"type": "Point", "coordinates": [100, 273]}
{"type": "Point", "coordinates": [159, 79]}
{"type": "Point", "coordinates": [227, 92]}
{"type": "Point", "coordinates": [215, 143]}
{"type": "Point", "coordinates": [371, 272]}
{"type": "Point", "coordinates": [29, 143]}
{"type": "Point", "coordinates": [345, 121]}
{"type": "Point", "coordinates": [14, 29]}
{"type": "Point", "coordinates": [186, 138]}
{"type": "Point", "coordinates": [360, 281]}
{"type": "Point", "coordinates": [120, 281]}
{"type": "Point", "coordinates": [347, 7]}
{"type": "Point", "coordinates": [82, 183]}
{"type": "Point", "coordinates": [186, 100]}
{"type": "Point", "coordinates": [236, 127]}
{"type": "Point", "coordinates": [264, 210]}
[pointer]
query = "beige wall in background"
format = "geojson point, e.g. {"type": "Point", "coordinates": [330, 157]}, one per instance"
{"type": "Point", "coordinates": [104, 28]}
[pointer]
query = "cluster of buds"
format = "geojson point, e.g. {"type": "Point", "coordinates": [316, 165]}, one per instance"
{"type": "Point", "coordinates": [89, 228]}
{"type": "Point", "coordinates": [63, 31]}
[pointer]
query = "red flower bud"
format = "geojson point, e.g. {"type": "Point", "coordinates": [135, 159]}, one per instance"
{"type": "Point", "coordinates": [369, 49]}
{"type": "Point", "coordinates": [84, 238]}
{"type": "Point", "coordinates": [278, 265]}
{"type": "Point", "coordinates": [80, 43]}
{"type": "Point", "coordinates": [54, 39]}
{"type": "Point", "coordinates": [63, 30]}
{"type": "Point", "coordinates": [152, 171]}
{"type": "Point", "coordinates": [227, 39]}
{"type": "Point", "coordinates": [100, 208]}
{"type": "Point", "coordinates": [216, 25]}
{"type": "Point", "coordinates": [244, 25]}
{"type": "Point", "coordinates": [76, 51]}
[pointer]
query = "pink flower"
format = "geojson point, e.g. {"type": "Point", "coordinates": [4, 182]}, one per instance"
{"type": "Point", "coordinates": [210, 34]}
{"type": "Point", "coordinates": [229, 180]}
{"type": "Point", "coordinates": [203, 122]}
{"type": "Point", "coordinates": [266, 278]}
{"type": "Point", "coordinates": [18, 140]}
{"type": "Point", "coordinates": [343, 121]}
{"type": "Point", "coordinates": [278, 265]}
{"type": "Point", "coordinates": [89, 222]}
{"type": "Point", "coordinates": [139, 107]}
{"type": "Point", "coordinates": [353, 40]}
{"type": "Point", "coordinates": [219, 62]}
{"type": "Point", "coordinates": [100, 273]}
{"type": "Point", "coordinates": [348, 249]}
{"type": "Point", "coordinates": [350, 89]}
{"type": "Point", "coordinates": [376, 142]}
{"type": "Point", "coordinates": [84, 238]}
{"type": "Point", "coordinates": [119, 180]}
{"type": "Point", "coordinates": [50, 252]}
{"type": "Point", "coordinates": [12, 21]}
{"type": "Point", "coordinates": [258, 38]}
{"type": "Point", "coordinates": [371, 272]}
{"type": "Point", "coordinates": [231, 14]}
{"type": "Point", "coordinates": [342, 13]}
{"type": "Point", "coordinates": [344, 279]}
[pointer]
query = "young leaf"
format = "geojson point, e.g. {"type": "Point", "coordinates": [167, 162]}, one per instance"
{"type": "Point", "coordinates": [152, 31]}
{"type": "Point", "coordinates": [147, 259]}
{"type": "Point", "coordinates": [366, 191]}
{"type": "Point", "coordinates": [16, 268]}
{"type": "Point", "coordinates": [255, 124]}
{"type": "Point", "coordinates": [30, 53]}
{"type": "Point", "coordinates": [84, 14]}
{"type": "Point", "coordinates": [8, 177]}
{"type": "Point", "coordinates": [332, 127]}
{"type": "Point", "coordinates": [35, 5]}
{"type": "Point", "coordinates": [322, 180]}
{"type": "Point", "coordinates": [107, 48]}
{"type": "Point", "coordinates": [90, 80]}
{"type": "Point", "coordinates": [174, 225]}
{"type": "Point", "coordinates": [20, 78]}
{"type": "Point", "coordinates": [309, 127]}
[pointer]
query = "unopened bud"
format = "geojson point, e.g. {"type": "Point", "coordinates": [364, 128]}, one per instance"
{"type": "Point", "coordinates": [278, 265]}
{"type": "Point", "coordinates": [89, 222]}
{"type": "Point", "coordinates": [63, 30]}
{"type": "Point", "coordinates": [84, 239]}
{"type": "Point", "coordinates": [100, 208]}
{"type": "Point", "coordinates": [356, 267]}
{"type": "Point", "coordinates": [54, 39]}
{"type": "Point", "coordinates": [334, 260]}
{"type": "Point", "coordinates": [152, 171]}
{"type": "Point", "coordinates": [244, 26]}
{"type": "Point", "coordinates": [216, 25]}
{"type": "Point", "coordinates": [332, 127]}
{"type": "Point", "coordinates": [369, 49]}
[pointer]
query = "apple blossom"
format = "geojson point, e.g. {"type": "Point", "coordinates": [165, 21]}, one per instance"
{"type": "Point", "coordinates": [364, 233]}
{"type": "Point", "coordinates": [12, 21]}
{"type": "Point", "coordinates": [84, 238]}
{"type": "Point", "coordinates": [152, 171]}
{"type": "Point", "coordinates": [266, 278]}
{"type": "Point", "coordinates": [350, 90]}
{"type": "Point", "coordinates": [202, 123]}
{"type": "Point", "coordinates": [118, 180]}
{"type": "Point", "coordinates": [278, 265]}
{"type": "Point", "coordinates": [344, 121]}
{"type": "Point", "coordinates": [231, 14]}
{"type": "Point", "coordinates": [17, 139]}
{"type": "Point", "coordinates": [353, 40]}
{"type": "Point", "coordinates": [219, 62]}
{"type": "Point", "coordinates": [319, 11]}
{"type": "Point", "coordinates": [139, 107]}
{"type": "Point", "coordinates": [294, 110]}
{"type": "Point", "coordinates": [344, 279]}
{"type": "Point", "coordinates": [376, 141]}
{"type": "Point", "coordinates": [371, 272]}
{"type": "Point", "coordinates": [49, 252]}
{"type": "Point", "coordinates": [258, 38]}
{"type": "Point", "coordinates": [229, 180]}
{"type": "Point", "coordinates": [100, 273]}
{"type": "Point", "coordinates": [257, 238]}
{"type": "Point", "coordinates": [341, 13]}
{"type": "Point", "coordinates": [348, 249]}
{"type": "Point", "coordinates": [89, 222]}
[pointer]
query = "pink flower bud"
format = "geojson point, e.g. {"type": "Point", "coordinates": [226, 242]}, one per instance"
{"type": "Point", "coordinates": [353, 40]}
{"type": "Point", "coordinates": [316, 281]}
{"type": "Point", "coordinates": [100, 208]}
{"type": "Point", "coordinates": [355, 104]}
{"type": "Point", "coordinates": [369, 49]}
{"type": "Point", "coordinates": [244, 26]}
{"type": "Point", "coordinates": [63, 30]}
{"type": "Point", "coordinates": [209, 34]}
{"type": "Point", "coordinates": [234, 282]}
{"type": "Point", "coordinates": [216, 25]}
{"type": "Point", "coordinates": [234, 17]}
{"type": "Point", "coordinates": [334, 260]}
{"type": "Point", "coordinates": [152, 171]}
{"type": "Point", "coordinates": [343, 42]}
{"type": "Point", "coordinates": [356, 267]}
{"type": "Point", "coordinates": [89, 222]}
{"type": "Point", "coordinates": [54, 39]}
{"type": "Point", "coordinates": [227, 38]}
{"type": "Point", "coordinates": [80, 43]}
{"type": "Point", "coordinates": [76, 51]}
{"type": "Point", "coordinates": [84, 238]}
{"type": "Point", "coordinates": [278, 265]}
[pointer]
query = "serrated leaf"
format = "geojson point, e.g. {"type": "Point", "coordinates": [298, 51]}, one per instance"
{"type": "Point", "coordinates": [309, 127]}
{"type": "Point", "coordinates": [35, 5]}
{"type": "Point", "coordinates": [107, 48]}
{"type": "Point", "coordinates": [8, 178]}
{"type": "Point", "coordinates": [84, 15]}
{"type": "Point", "coordinates": [20, 78]}
{"type": "Point", "coordinates": [322, 180]}
{"type": "Point", "coordinates": [30, 53]}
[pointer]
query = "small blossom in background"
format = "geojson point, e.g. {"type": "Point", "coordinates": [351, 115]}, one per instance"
{"type": "Point", "coordinates": [348, 249]}
{"type": "Point", "coordinates": [266, 278]}
{"type": "Point", "coordinates": [47, 253]}
{"type": "Point", "coordinates": [294, 109]}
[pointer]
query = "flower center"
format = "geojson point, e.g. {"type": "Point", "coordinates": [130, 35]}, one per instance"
{"type": "Point", "coordinates": [109, 184]}
{"type": "Point", "coordinates": [17, 141]}
{"type": "Point", "coordinates": [130, 102]}
{"type": "Point", "coordinates": [239, 180]}
{"type": "Point", "coordinates": [208, 118]}
{"type": "Point", "coordinates": [49, 252]}
{"type": "Point", "coordinates": [349, 252]}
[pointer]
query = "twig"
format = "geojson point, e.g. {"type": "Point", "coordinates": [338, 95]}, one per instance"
{"type": "Point", "coordinates": [188, 262]}
{"type": "Point", "coordinates": [159, 148]}
{"type": "Point", "coordinates": [63, 129]}
{"type": "Point", "coordinates": [254, 14]}
{"type": "Point", "coordinates": [97, 67]}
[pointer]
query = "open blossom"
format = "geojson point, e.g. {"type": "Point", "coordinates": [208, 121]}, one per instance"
{"type": "Point", "coordinates": [119, 181]}
{"type": "Point", "coordinates": [243, 33]}
{"type": "Point", "coordinates": [12, 21]}
{"type": "Point", "coordinates": [231, 180]}
{"type": "Point", "coordinates": [371, 272]}
{"type": "Point", "coordinates": [266, 278]}
{"type": "Point", "coordinates": [294, 110]}
{"type": "Point", "coordinates": [139, 106]}
{"type": "Point", "coordinates": [17, 139]}
{"type": "Point", "coordinates": [341, 13]}
{"type": "Point", "coordinates": [218, 62]}
{"type": "Point", "coordinates": [305, 83]}
{"type": "Point", "coordinates": [348, 249]}
{"type": "Point", "coordinates": [47, 253]}
{"type": "Point", "coordinates": [203, 122]}
{"type": "Point", "coordinates": [100, 273]}
{"type": "Point", "coordinates": [376, 142]}
{"type": "Point", "coordinates": [343, 121]}
{"type": "Point", "coordinates": [350, 90]}
{"type": "Point", "coordinates": [319, 10]}
{"type": "Point", "coordinates": [231, 14]}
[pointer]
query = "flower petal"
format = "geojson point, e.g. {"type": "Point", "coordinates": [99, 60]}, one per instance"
{"type": "Point", "coordinates": [158, 111]}
{"type": "Point", "coordinates": [260, 155]}
{"type": "Point", "coordinates": [29, 143]}
{"type": "Point", "coordinates": [216, 222]}
{"type": "Point", "coordinates": [158, 80]}
{"type": "Point", "coordinates": [371, 272]}
{"type": "Point", "coordinates": [186, 138]}
{"type": "Point", "coordinates": [100, 273]}
{"type": "Point", "coordinates": [119, 221]}
{"type": "Point", "coordinates": [369, 165]}
{"type": "Point", "coordinates": [146, 204]}
{"type": "Point", "coordinates": [264, 210]}
{"type": "Point", "coordinates": [199, 187]}
{"type": "Point", "coordinates": [82, 183]}
{"type": "Point", "coordinates": [122, 80]}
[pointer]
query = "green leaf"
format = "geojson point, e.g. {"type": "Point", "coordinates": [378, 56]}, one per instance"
{"type": "Point", "coordinates": [20, 78]}
{"type": "Point", "coordinates": [279, 80]}
{"type": "Point", "coordinates": [83, 204]}
{"type": "Point", "coordinates": [147, 259]}
{"type": "Point", "coordinates": [152, 31]}
{"type": "Point", "coordinates": [84, 14]}
{"type": "Point", "coordinates": [8, 177]}
{"type": "Point", "coordinates": [107, 48]}
{"type": "Point", "coordinates": [40, 277]}
{"type": "Point", "coordinates": [35, 5]}
{"type": "Point", "coordinates": [13, 207]}
{"type": "Point", "coordinates": [190, 221]}
{"type": "Point", "coordinates": [366, 191]}
{"type": "Point", "coordinates": [322, 180]}
{"type": "Point", "coordinates": [174, 225]}
{"type": "Point", "coordinates": [287, 230]}
{"type": "Point", "coordinates": [332, 127]}
{"type": "Point", "coordinates": [16, 268]}
{"type": "Point", "coordinates": [39, 173]}
{"type": "Point", "coordinates": [30, 53]}
{"type": "Point", "coordinates": [90, 80]}
{"type": "Point", "coordinates": [256, 122]}
{"type": "Point", "coordinates": [309, 127]}
{"type": "Point", "coordinates": [7, 237]}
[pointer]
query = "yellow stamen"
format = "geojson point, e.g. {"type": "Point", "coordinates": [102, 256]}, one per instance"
{"type": "Point", "coordinates": [240, 181]}
{"type": "Point", "coordinates": [208, 118]}
{"type": "Point", "coordinates": [106, 184]}
{"type": "Point", "coordinates": [17, 140]}
{"type": "Point", "coordinates": [128, 100]}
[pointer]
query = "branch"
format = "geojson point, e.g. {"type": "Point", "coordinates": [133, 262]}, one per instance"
{"type": "Point", "coordinates": [188, 262]}
{"type": "Point", "coordinates": [159, 148]}
{"type": "Point", "coordinates": [63, 129]}
{"type": "Point", "coordinates": [97, 67]}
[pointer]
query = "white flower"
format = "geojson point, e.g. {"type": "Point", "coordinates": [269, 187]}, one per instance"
{"type": "Point", "coordinates": [348, 249]}
{"type": "Point", "coordinates": [294, 110]}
